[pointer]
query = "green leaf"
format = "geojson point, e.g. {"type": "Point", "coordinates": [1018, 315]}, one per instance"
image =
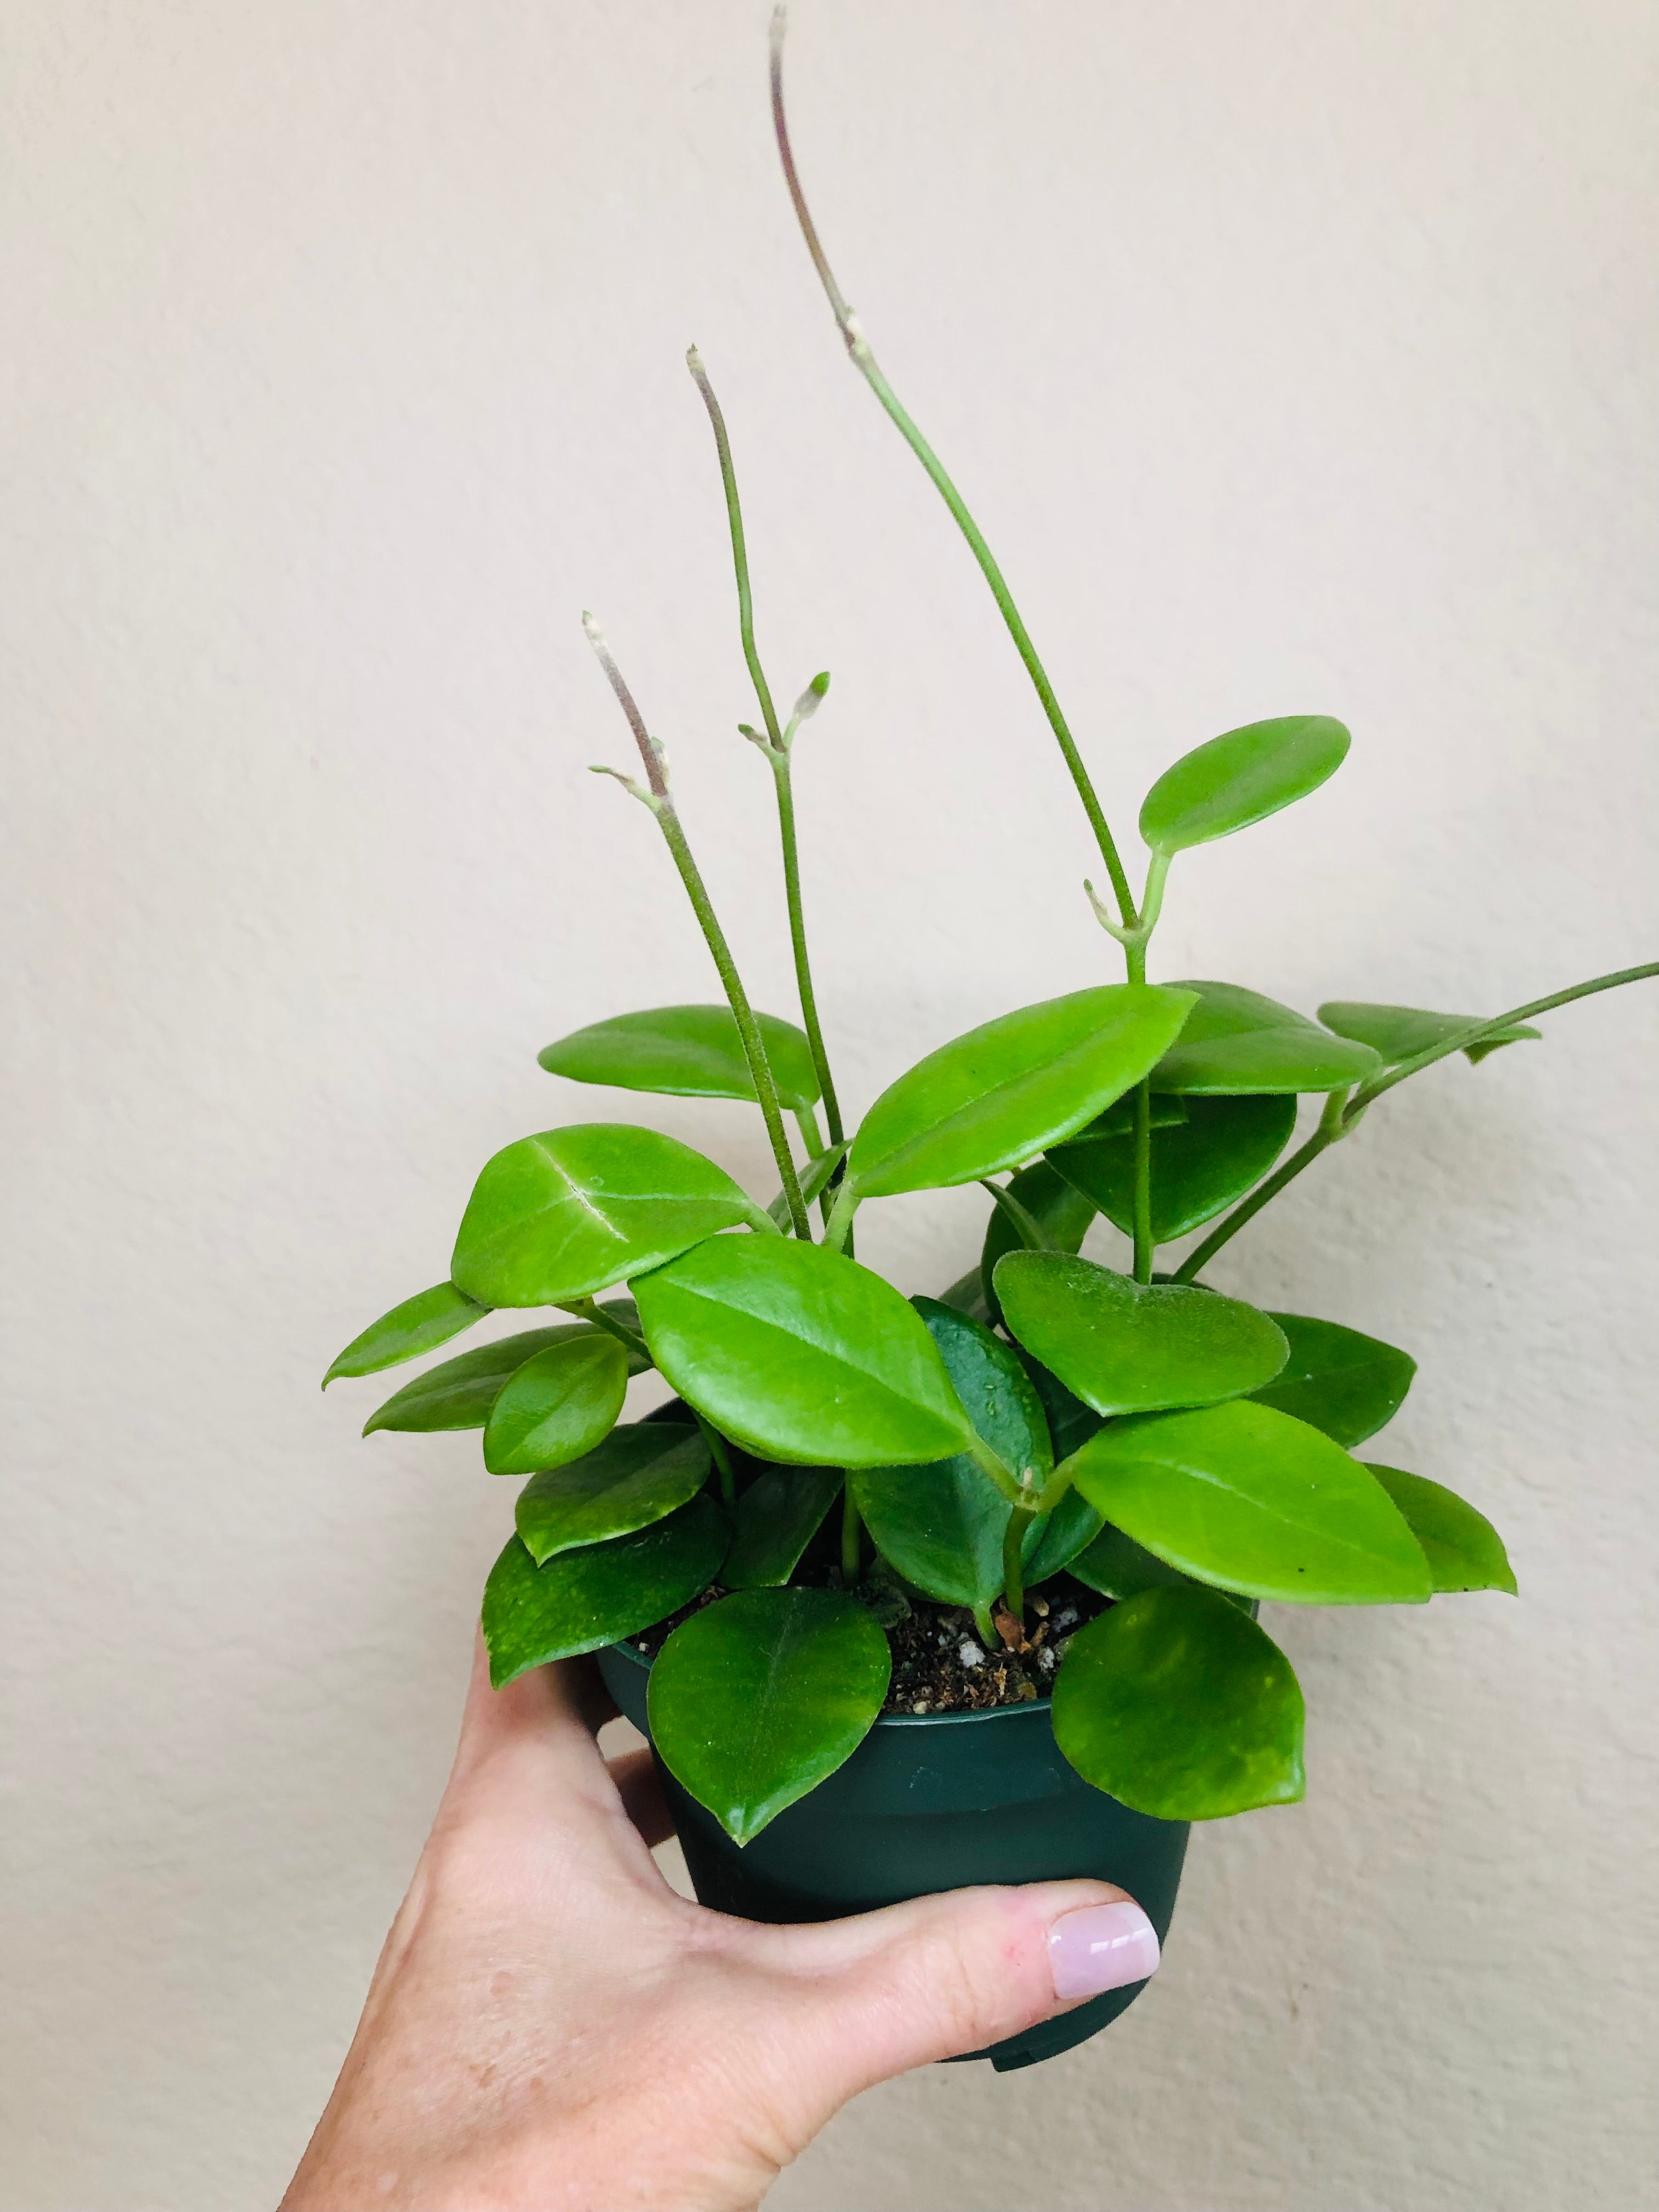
{"type": "Point", "coordinates": [1241, 778]}
{"type": "Point", "coordinates": [754, 1700]}
{"type": "Point", "coordinates": [777, 1517]}
{"type": "Point", "coordinates": [1236, 1041]}
{"type": "Point", "coordinates": [639, 1475]}
{"type": "Point", "coordinates": [995, 1391]}
{"type": "Point", "coordinates": [1248, 1500]}
{"type": "Point", "coordinates": [1063, 1211]}
{"type": "Point", "coordinates": [1167, 1111]}
{"type": "Point", "coordinates": [799, 1354]}
{"type": "Point", "coordinates": [1463, 1550]}
{"type": "Point", "coordinates": [557, 1407]}
{"type": "Point", "coordinates": [813, 1179]}
{"type": "Point", "coordinates": [1070, 1423]}
{"type": "Point", "coordinates": [685, 1052]}
{"type": "Point", "coordinates": [419, 1324]}
{"type": "Point", "coordinates": [1401, 1032]}
{"type": "Point", "coordinates": [1337, 1380]}
{"type": "Point", "coordinates": [992, 1098]}
{"type": "Point", "coordinates": [1055, 1539]}
{"type": "Point", "coordinates": [1125, 1348]}
{"type": "Point", "coordinates": [1118, 1567]}
{"type": "Point", "coordinates": [1177, 1704]}
{"type": "Point", "coordinates": [600, 1594]}
{"type": "Point", "coordinates": [458, 1393]}
{"type": "Point", "coordinates": [1200, 1165]}
{"type": "Point", "coordinates": [563, 1214]}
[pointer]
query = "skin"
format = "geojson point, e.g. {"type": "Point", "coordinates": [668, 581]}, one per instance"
{"type": "Point", "coordinates": [550, 2025]}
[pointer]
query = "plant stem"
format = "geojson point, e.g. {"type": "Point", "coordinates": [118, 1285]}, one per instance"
{"type": "Point", "coordinates": [811, 1135]}
{"type": "Point", "coordinates": [1013, 1572]}
{"type": "Point", "coordinates": [783, 779]}
{"type": "Point", "coordinates": [587, 1309]}
{"type": "Point", "coordinates": [658, 798]}
{"type": "Point", "coordinates": [1134, 956]}
{"type": "Point", "coordinates": [1321, 1141]}
{"type": "Point", "coordinates": [859, 347]}
{"type": "Point", "coordinates": [838, 1228]}
{"type": "Point", "coordinates": [851, 1567]}
{"type": "Point", "coordinates": [722, 1459]}
{"type": "Point", "coordinates": [740, 551]}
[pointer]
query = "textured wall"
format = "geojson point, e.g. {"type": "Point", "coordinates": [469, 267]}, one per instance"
{"type": "Point", "coordinates": [1295, 357]}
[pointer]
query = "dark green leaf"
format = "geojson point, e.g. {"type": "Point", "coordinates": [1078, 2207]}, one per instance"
{"type": "Point", "coordinates": [1070, 1421]}
{"type": "Point", "coordinates": [754, 1700]}
{"type": "Point", "coordinates": [1118, 1567]}
{"type": "Point", "coordinates": [1251, 1500]}
{"type": "Point", "coordinates": [1128, 1348]}
{"type": "Point", "coordinates": [1064, 1212]}
{"type": "Point", "coordinates": [563, 1214]}
{"type": "Point", "coordinates": [1200, 1166]}
{"type": "Point", "coordinates": [458, 1393]}
{"type": "Point", "coordinates": [1337, 1380]}
{"type": "Point", "coordinates": [1401, 1032]}
{"type": "Point", "coordinates": [557, 1407]}
{"type": "Point", "coordinates": [995, 1389]}
{"type": "Point", "coordinates": [419, 1324]}
{"type": "Point", "coordinates": [1241, 778]}
{"type": "Point", "coordinates": [686, 1052]}
{"type": "Point", "coordinates": [1236, 1041]}
{"type": "Point", "coordinates": [1055, 1539]}
{"type": "Point", "coordinates": [639, 1475]}
{"type": "Point", "coordinates": [1177, 1704]}
{"type": "Point", "coordinates": [1463, 1550]}
{"type": "Point", "coordinates": [992, 1098]}
{"type": "Point", "coordinates": [799, 1354]}
{"type": "Point", "coordinates": [777, 1517]}
{"type": "Point", "coordinates": [600, 1594]}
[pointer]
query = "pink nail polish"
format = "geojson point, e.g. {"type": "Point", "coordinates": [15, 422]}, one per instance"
{"type": "Point", "coordinates": [1104, 1947]}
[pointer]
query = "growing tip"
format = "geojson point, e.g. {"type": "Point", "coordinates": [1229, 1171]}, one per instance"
{"type": "Point", "coordinates": [595, 635]}
{"type": "Point", "coordinates": [694, 360]}
{"type": "Point", "coordinates": [779, 25]}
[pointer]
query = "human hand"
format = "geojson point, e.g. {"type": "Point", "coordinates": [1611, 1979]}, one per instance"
{"type": "Point", "coordinates": [551, 2026]}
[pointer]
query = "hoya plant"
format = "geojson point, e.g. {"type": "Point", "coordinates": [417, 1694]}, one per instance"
{"type": "Point", "coordinates": [832, 1449]}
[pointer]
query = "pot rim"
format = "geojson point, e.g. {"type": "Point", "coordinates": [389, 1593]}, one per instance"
{"type": "Point", "coordinates": [892, 1720]}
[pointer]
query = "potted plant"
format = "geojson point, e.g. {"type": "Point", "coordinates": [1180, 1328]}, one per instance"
{"type": "Point", "coordinates": [908, 1593]}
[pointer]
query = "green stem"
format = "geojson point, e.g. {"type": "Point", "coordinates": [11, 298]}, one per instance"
{"type": "Point", "coordinates": [851, 1566]}
{"type": "Point", "coordinates": [1321, 1141]}
{"type": "Point", "coordinates": [586, 1310]}
{"type": "Point", "coordinates": [811, 1135]}
{"type": "Point", "coordinates": [722, 1459]}
{"type": "Point", "coordinates": [859, 347]}
{"type": "Point", "coordinates": [1013, 1572]}
{"type": "Point", "coordinates": [782, 777]}
{"type": "Point", "coordinates": [1134, 956]}
{"type": "Point", "coordinates": [838, 1228]}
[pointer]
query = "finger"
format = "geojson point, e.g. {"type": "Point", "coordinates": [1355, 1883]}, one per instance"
{"type": "Point", "coordinates": [549, 1716]}
{"type": "Point", "coordinates": [640, 1788]}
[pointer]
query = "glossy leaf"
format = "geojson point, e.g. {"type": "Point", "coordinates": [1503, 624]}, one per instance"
{"type": "Point", "coordinates": [1236, 1043]}
{"type": "Point", "coordinates": [557, 1407]}
{"type": "Point", "coordinates": [1248, 1499]}
{"type": "Point", "coordinates": [419, 1324]}
{"type": "Point", "coordinates": [1201, 1164]}
{"type": "Point", "coordinates": [1167, 1109]}
{"type": "Point", "coordinates": [1178, 1704]}
{"type": "Point", "coordinates": [1063, 1210]}
{"type": "Point", "coordinates": [1055, 1539]}
{"type": "Point", "coordinates": [1239, 778]}
{"type": "Point", "coordinates": [1124, 1348]}
{"type": "Point", "coordinates": [1118, 1567]}
{"type": "Point", "coordinates": [799, 1354]}
{"type": "Point", "coordinates": [1401, 1032]}
{"type": "Point", "coordinates": [1337, 1380]}
{"type": "Point", "coordinates": [990, 1099]}
{"type": "Point", "coordinates": [754, 1700]}
{"type": "Point", "coordinates": [1070, 1423]}
{"type": "Point", "coordinates": [1463, 1550]}
{"type": "Point", "coordinates": [458, 1393]}
{"type": "Point", "coordinates": [993, 1388]}
{"type": "Point", "coordinates": [685, 1052]}
{"type": "Point", "coordinates": [777, 1517]}
{"type": "Point", "coordinates": [637, 1475]}
{"type": "Point", "coordinates": [566, 1213]}
{"type": "Point", "coordinates": [599, 1594]}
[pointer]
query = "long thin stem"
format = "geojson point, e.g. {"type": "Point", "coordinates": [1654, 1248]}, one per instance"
{"type": "Point", "coordinates": [1134, 954]}
{"type": "Point", "coordinates": [1321, 1141]}
{"type": "Point", "coordinates": [859, 347]}
{"type": "Point", "coordinates": [783, 780]}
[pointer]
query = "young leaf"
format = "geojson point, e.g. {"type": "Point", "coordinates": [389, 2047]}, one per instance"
{"type": "Point", "coordinates": [1241, 778]}
{"type": "Point", "coordinates": [1126, 1347]}
{"type": "Point", "coordinates": [563, 1214]}
{"type": "Point", "coordinates": [1118, 1567]}
{"type": "Point", "coordinates": [754, 1700]}
{"type": "Point", "coordinates": [557, 1407]}
{"type": "Point", "coordinates": [1177, 1704]}
{"type": "Point", "coordinates": [799, 1354]}
{"type": "Point", "coordinates": [1064, 1212]}
{"type": "Point", "coordinates": [992, 1098]}
{"type": "Point", "coordinates": [685, 1052]}
{"type": "Point", "coordinates": [1055, 1539]}
{"type": "Point", "coordinates": [1200, 1165]}
{"type": "Point", "coordinates": [1337, 1380]}
{"type": "Point", "coordinates": [600, 1594]}
{"type": "Point", "coordinates": [419, 1324]}
{"type": "Point", "coordinates": [1401, 1032]}
{"type": "Point", "coordinates": [639, 1475]}
{"type": "Point", "coordinates": [777, 1517]}
{"type": "Point", "coordinates": [1236, 1041]}
{"type": "Point", "coordinates": [1463, 1550]}
{"type": "Point", "coordinates": [458, 1393]}
{"type": "Point", "coordinates": [1251, 1500]}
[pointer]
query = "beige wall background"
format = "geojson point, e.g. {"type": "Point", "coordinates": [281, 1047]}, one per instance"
{"type": "Point", "coordinates": [1294, 356]}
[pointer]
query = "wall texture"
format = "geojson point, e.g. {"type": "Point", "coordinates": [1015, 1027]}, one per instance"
{"type": "Point", "coordinates": [1295, 357]}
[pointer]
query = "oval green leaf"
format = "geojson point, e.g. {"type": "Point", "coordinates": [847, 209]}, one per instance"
{"type": "Point", "coordinates": [419, 1324]}
{"type": "Point", "coordinates": [685, 1052]}
{"type": "Point", "coordinates": [1236, 1042]}
{"type": "Point", "coordinates": [1118, 1567]}
{"type": "Point", "coordinates": [600, 1594]}
{"type": "Point", "coordinates": [799, 1354]}
{"type": "Point", "coordinates": [458, 1393]}
{"type": "Point", "coordinates": [754, 1700]}
{"type": "Point", "coordinates": [565, 1214]}
{"type": "Point", "coordinates": [1338, 1380]}
{"type": "Point", "coordinates": [1058, 1207]}
{"type": "Point", "coordinates": [1248, 1499]}
{"type": "Point", "coordinates": [777, 1517]}
{"type": "Point", "coordinates": [990, 1099]}
{"type": "Point", "coordinates": [1399, 1033]}
{"type": "Point", "coordinates": [557, 1407]}
{"type": "Point", "coordinates": [1239, 778]}
{"type": "Point", "coordinates": [1201, 1164]}
{"type": "Point", "coordinates": [995, 1389]}
{"type": "Point", "coordinates": [639, 1475]}
{"type": "Point", "coordinates": [1125, 1348]}
{"type": "Point", "coordinates": [1177, 1704]}
{"type": "Point", "coordinates": [1463, 1550]}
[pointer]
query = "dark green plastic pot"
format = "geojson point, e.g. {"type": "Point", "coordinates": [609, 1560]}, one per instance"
{"type": "Point", "coordinates": [928, 1803]}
